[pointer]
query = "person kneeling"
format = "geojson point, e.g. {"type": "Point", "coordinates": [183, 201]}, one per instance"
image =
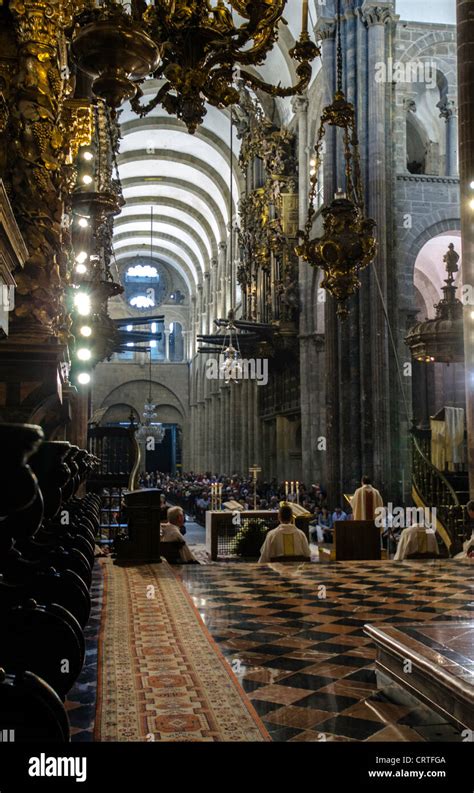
{"type": "Point", "coordinates": [285, 540]}
{"type": "Point", "coordinates": [172, 532]}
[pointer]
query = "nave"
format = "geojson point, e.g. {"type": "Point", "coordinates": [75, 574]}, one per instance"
{"type": "Point", "coordinates": [303, 665]}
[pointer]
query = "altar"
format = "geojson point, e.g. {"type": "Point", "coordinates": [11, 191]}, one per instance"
{"type": "Point", "coordinates": [222, 527]}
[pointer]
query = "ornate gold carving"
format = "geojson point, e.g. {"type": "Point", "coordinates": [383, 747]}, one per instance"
{"type": "Point", "coordinates": [200, 45]}
{"type": "Point", "coordinates": [268, 269]}
{"type": "Point", "coordinates": [77, 120]}
{"type": "Point", "coordinates": [38, 177]}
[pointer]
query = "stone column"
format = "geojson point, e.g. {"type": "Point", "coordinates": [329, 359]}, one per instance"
{"type": "Point", "coordinates": [377, 15]}
{"type": "Point", "coordinates": [222, 308]}
{"type": "Point", "coordinates": [217, 434]}
{"type": "Point", "coordinates": [193, 325]}
{"type": "Point", "coordinates": [465, 43]}
{"type": "Point", "coordinates": [207, 315]}
{"type": "Point", "coordinates": [329, 458]}
{"type": "Point", "coordinates": [449, 112]}
{"type": "Point", "coordinates": [225, 397]}
{"type": "Point", "coordinates": [300, 108]}
{"type": "Point", "coordinates": [209, 436]}
{"type": "Point", "coordinates": [199, 309]}
{"type": "Point", "coordinates": [167, 346]}
{"type": "Point", "coordinates": [202, 436]}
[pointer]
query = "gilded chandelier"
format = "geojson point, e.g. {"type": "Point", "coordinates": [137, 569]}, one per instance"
{"type": "Point", "coordinates": [347, 245]}
{"type": "Point", "coordinates": [194, 46]}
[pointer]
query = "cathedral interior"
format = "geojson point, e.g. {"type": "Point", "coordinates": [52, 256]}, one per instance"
{"type": "Point", "coordinates": [236, 371]}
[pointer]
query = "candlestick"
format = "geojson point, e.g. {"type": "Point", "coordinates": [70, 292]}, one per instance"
{"type": "Point", "coordinates": [297, 492]}
{"type": "Point", "coordinates": [292, 488]}
{"type": "Point", "coordinates": [286, 489]}
{"type": "Point", "coordinates": [304, 17]}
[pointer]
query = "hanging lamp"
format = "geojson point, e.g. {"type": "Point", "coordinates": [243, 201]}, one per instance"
{"type": "Point", "coordinates": [147, 428]}
{"type": "Point", "coordinates": [347, 245]}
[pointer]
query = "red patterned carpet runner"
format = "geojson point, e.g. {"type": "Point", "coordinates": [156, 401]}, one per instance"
{"type": "Point", "coordinates": [161, 677]}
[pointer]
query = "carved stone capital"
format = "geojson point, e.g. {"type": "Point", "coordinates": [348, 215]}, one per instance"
{"type": "Point", "coordinates": [299, 104]}
{"type": "Point", "coordinates": [325, 29]}
{"type": "Point", "coordinates": [447, 109]}
{"type": "Point", "coordinates": [409, 105]}
{"type": "Point", "coordinates": [377, 13]}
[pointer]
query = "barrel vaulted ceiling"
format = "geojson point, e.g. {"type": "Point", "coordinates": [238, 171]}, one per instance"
{"type": "Point", "coordinates": [186, 178]}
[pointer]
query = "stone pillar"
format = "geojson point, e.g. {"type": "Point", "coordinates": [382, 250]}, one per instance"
{"type": "Point", "coordinates": [449, 112]}
{"type": "Point", "coordinates": [199, 310]}
{"type": "Point", "coordinates": [329, 458]}
{"type": "Point", "coordinates": [209, 436]}
{"type": "Point", "coordinates": [202, 436]}
{"type": "Point", "coordinates": [207, 316]}
{"type": "Point", "coordinates": [222, 307]}
{"type": "Point", "coordinates": [465, 44]}
{"type": "Point", "coordinates": [167, 346]}
{"type": "Point", "coordinates": [225, 396]}
{"type": "Point", "coordinates": [217, 433]}
{"type": "Point", "coordinates": [300, 107]}
{"type": "Point", "coordinates": [193, 328]}
{"type": "Point", "coordinates": [376, 16]}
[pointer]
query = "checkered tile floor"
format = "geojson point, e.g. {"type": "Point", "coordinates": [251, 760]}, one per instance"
{"type": "Point", "coordinates": [293, 636]}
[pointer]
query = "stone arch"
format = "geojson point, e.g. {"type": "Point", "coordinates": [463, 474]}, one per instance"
{"type": "Point", "coordinates": [416, 242]}
{"type": "Point", "coordinates": [119, 412]}
{"type": "Point", "coordinates": [136, 388]}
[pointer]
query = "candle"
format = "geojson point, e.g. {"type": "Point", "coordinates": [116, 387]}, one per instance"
{"type": "Point", "coordinates": [297, 492]}
{"type": "Point", "coordinates": [304, 19]}
{"type": "Point", "coordinates": [286, 489]}
{"type": "Point", "coordinates": [292, 488]}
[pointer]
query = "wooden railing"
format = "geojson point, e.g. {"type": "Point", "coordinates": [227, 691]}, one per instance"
{"type": "Point", "coordinates": [432, 489]}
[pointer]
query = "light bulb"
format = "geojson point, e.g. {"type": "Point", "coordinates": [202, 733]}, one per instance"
{"type": "Point", "coordinates": [81, 257]}
{"type": "Point", "coordinates": [83, 378]}
{"type": "Point", "coordinates": [83, 222]}
{"type": "Point", "coordinates": [87, 179]}
{"type": "Point", "coordinates": [81, 269]}
{"type": "Point", "coordinates": [84, 354]}
{"type": "Point", "coordinates": [83, 304]}
{"type": "Point", "coordinates": [471, 203]}
{"type": "Point", "coordinates": [472, 185]}
{"type": "Point", "coordinates": [88, 156]}
{"type": "Point", "coordinates": [86, 331]}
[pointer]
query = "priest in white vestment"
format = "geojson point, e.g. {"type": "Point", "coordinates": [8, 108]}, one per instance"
{"type": "Point", "coordinates": [285, 540]}
{"type": "Point", "coordinates": [416, 539]}
{"type": "Point", "coordinates": [365, 501]}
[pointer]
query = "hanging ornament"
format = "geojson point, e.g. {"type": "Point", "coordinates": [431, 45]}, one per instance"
{"type": "Point", "coordinates": [347, 245]}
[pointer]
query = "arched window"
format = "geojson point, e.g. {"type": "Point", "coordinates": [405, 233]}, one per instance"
{"type": "Point", "coordinates": [416, 147]}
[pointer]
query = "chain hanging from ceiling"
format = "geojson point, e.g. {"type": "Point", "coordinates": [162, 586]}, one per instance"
{"type": "Point", "coordinates": [148, 430]}
{"type": "Point", "coordinates": [347, 245]}
{"type": "Point", "coordinates": [195, 47]}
